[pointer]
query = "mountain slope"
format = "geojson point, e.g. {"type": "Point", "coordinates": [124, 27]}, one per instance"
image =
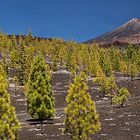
{"type": "Point", "coordinates": [125, 34]}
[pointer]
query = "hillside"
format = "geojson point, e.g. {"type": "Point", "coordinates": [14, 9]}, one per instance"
{"type": "Point", "coordinates": [128, 33]}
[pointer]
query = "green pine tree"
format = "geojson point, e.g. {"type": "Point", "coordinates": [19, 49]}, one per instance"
{"type": "Point", "coordinates": [15, 79]}
{"type": "Point", "coordinates": [123, 67]}
{"type": "Point", "coordinates": [132, 71]}
{"type": "Point", "coordinates": [81, 117]}
{"type": "Point", "coordinates": [105, 62]}
{"type": "Point", "coordinates": [5, 64]}
{"type": "Point", "coordinates": [39, 91]}
{"type": "Point", "coordinates": [54, 65]}
{"type": "Point", "coordinates": [103, 82]}
{"type": "Point", "coordinates": [106, 84]}
{"type": "Point", "coordinates": [21, 65]}
{"type": "Point", "coordinates": [9, 124]}
{"type": "Point", "coordinates": [121, 97]}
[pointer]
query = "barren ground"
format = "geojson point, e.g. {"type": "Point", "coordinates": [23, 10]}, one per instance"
{"type": "Point", "coordinates": [117, 123]}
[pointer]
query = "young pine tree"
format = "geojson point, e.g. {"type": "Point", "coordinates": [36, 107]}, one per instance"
{"type": "Point", "coordinates": [9, 124]}
{"type": "Point", "coordinates": [106, 84]}
{"type": "Point", "coordinates": [132, 71]}
{"type": "Point", "coordinates": [15, 79]}
{"type": "Point", "coordinates": [5, 64]}
{"type": "Point", "coordinates": [54, 65]}
{"type": "Point", "coordinates": [21, 65]}
{"type": "Point", "coordinates": [113, 88]}
{"type": "Point", "coordinates": [121, 97]}
{"type": "Point", "coordinates": [81, 117]}
{"type": "Point", "coordinates": [123, 67]}
{"type": "Point", "coordinates": [39, 91]}
{"type": "Point", "coordinates": [105, 62]}
{"type": "Point", "coordinates": [102, 80]}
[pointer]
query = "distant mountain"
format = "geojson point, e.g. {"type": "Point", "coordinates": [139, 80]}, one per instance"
{"type": "Point", "coordinates": [128, 33]}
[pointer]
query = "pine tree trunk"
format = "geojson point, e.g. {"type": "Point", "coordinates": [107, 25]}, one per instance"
{"type": "Point", "coordinates": [103, 93]}
{"type": "Point", "coordinates": [15, 89]}
{"type": "Point", "coordinates": [111, 101]}
{"type": "Point", "coordinates": [42, 125]}
{"type": "Point", "coordinates": [121, 104]}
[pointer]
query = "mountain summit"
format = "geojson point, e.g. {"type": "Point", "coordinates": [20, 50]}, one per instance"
{"type": "Point", "coordinates": [128, 33]}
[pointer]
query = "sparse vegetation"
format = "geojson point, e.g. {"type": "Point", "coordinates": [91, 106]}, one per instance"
{"type": "Point", "coordinates": [104, 65]}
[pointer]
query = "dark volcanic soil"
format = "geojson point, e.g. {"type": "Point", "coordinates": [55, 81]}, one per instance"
{"type": "Point", "coordinates": [117, 123]}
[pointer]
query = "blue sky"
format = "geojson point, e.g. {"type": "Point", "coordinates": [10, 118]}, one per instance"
{"type": "Point", "coordinates": [77, 20]}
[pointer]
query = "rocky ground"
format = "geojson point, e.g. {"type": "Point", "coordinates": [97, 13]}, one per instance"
{"type": "Point", "coordinates": [117, 123]}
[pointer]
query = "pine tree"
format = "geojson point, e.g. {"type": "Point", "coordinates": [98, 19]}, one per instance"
{"type": "Point", "coordinates": [113, 88]}
{"type": "Point", "coordinates": [121, 97]}
{"type": "Point", "coordinates": [95, 68]}
{"type": "Point", "coordinates": [106, 84]}
{"type": "Point", "coordinates": [81, 117]}
{"type": "Point", "coordinates": [5, 64]}
{"type": "Point", "coordinates": [54, 65]}
{"type": "Point", "coordinates": [14, 58]}
{"type": "Point", "coordinates": [123, 67]}
{"type": "Point", "coordinates": [15, 79]}
{"type": "Point", "coordinates": [22, 65]}
{"type": "Point", "coordinates": [9, 124]}
{"type": "Point", "coordinates": [39, 91]}
{"type": "Point", "coordinates": [29, 55]}
{"type": "Point", "coordinates": [105, 62]}
{"type": "Point", "coordinates": [138, 60]}
{"type": "Point", "coordinates": [13, 41]}
{"type": "Point", "coordinates": [69, 59]}
{"type": "Point", "coordinates": [132, 71]}
{"type": "Point", "coordinates": [28, 38]}
{"type": "Point", "coordinates": [129, 52]}
{"type": "Point", "coordinates": [115, 56]}
{"type": "Point", "coordinates": [102, 81]}
{"type": "Point", "coordinates": [62, 54]}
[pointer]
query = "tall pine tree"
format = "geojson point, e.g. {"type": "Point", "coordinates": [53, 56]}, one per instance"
{"type": "Point", "coordinates": [82, 119]}
{"type": "Point", "coordinates": [39, 91]}
{"type": "Point", "coordinates": [22, 65]}
{"type": "Point", "coordinates": [9, 124]}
